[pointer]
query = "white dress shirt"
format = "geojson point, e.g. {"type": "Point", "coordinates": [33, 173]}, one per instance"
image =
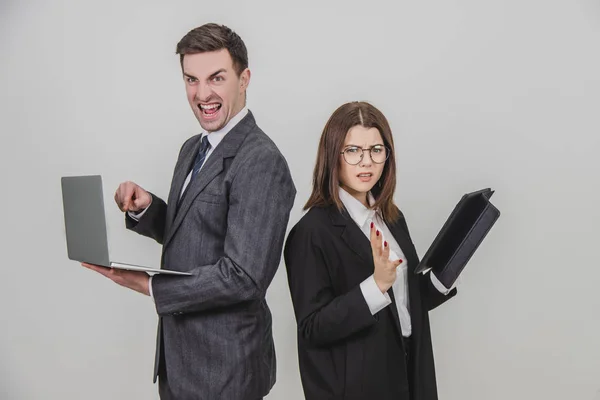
{"type": "Point", "coordinates": [376, 300]}
{"type": "Point", "coordinates": [214, 138]}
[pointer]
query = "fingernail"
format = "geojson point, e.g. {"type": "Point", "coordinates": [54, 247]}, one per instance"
{"type": "Point", "coordinates": [385, 244]}
{"type": "Point", "coordinates": [401, 261]}
{"type": "Point", "coordinates": [377, 233]}
{"type": "Point", "coordinates": [372, 225]}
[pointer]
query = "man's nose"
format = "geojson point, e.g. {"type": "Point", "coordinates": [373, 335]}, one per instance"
{"type": "Point", "coordinates": [204, 92]}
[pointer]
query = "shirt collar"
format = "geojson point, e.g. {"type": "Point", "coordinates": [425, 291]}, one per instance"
{"type": "Point", "coordinates": [214, 138]}
{"type": "Point", "coordinates": [358, 212]}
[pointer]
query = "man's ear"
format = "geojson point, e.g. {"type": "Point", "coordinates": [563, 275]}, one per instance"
{"type": "Point", "coordinates": [245, 79]}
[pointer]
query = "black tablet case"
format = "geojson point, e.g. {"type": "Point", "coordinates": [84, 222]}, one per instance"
{"type": "Point", "coordinates": [461, 235]}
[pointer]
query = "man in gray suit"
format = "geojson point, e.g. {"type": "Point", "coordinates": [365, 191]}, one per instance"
{"type": "Point", "coordinates": [224, 222]}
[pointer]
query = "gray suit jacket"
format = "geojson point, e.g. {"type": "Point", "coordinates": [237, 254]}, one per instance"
{"type": "Point", "coordinates": [214, 335]}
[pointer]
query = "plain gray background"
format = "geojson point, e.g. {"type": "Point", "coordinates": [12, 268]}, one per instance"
{"type": "Point", "coordinates": [479, 94]}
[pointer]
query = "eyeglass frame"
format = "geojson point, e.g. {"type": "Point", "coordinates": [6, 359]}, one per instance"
{"type": "Point", "coordinates": [362, 153]}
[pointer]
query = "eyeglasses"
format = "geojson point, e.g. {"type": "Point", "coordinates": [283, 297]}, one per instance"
{"type": "Point", "coordinates": [354, 154]}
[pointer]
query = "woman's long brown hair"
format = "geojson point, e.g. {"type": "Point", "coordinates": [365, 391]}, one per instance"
{"type": "Point", "coordinates": [326, 180]}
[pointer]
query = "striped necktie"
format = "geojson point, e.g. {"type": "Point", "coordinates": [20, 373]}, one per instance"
{"type": "Point", "coordinates": [200, 157]}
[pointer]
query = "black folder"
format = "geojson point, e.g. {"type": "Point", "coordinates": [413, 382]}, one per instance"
{"type": "Point", "coordinates": [461, 235]}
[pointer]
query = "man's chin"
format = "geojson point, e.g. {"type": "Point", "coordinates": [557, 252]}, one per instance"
{"type": "Point", "coordinates": [211, 126]}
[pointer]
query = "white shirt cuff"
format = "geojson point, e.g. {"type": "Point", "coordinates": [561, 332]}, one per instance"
{"type": "Point", "coordinates": [150, 287]}
{"type": "Point", "coordinates": [137, 215]}
{"type": "Point", "coordinates": [376, 300]}
{"type": "Point", "coordinates": [439, 286]}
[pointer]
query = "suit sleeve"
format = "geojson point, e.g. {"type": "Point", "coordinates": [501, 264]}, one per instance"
{"type": "Point", "coordinates": [260, 200]}
{"type": "Point", "coordinates": [323, 317]}
{"type": "Point", "coordinates": [432, 296]}
{"type": "Point", "coordinates": [152, 223]}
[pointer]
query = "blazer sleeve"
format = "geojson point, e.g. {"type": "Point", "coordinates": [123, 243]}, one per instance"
{"type": "Point", "coordinates": [323, 317]}
{"type": "Point", "coordinates": [432, 296]}
{"type": "Point", "coordinates": [260, 200]}
{"type": "Point", "coordinates": [152, 223]}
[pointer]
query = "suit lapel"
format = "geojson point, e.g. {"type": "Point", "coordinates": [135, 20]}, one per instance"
{"type": "Point", "coordinates": [405, 244]}
{"type": "Point", "coordinates": [213, 167]}
{"type": "Point", "coordinates": [183, 167]}
{"type": "Point", "coordinates": [354, 238]}
{"type": "Point", "coordinates": [403, 239]}
{"type": "Point", "coordinates": [394, 310]}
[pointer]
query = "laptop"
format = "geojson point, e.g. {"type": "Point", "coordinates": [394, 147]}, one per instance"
{"type": "Point", "coordinates": [85, 225]}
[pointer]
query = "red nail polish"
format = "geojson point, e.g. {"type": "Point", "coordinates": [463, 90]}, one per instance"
{"type": "Point", "coordinates": [377, 233]}
{"type": "Point", "coordinates": [372, 225]}
{"type": "Point", "coordinates": [385, 244]}
{"type": "Point", "coordinates": [401, 261]}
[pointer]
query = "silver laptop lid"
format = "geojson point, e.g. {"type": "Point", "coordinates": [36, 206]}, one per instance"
{"type": "Point", "coordinates": [85, 222]}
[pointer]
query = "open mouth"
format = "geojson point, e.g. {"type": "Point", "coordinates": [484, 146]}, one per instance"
{"type": "Point", "coordinates": [365, 176]}
{"type": "Point", "coordinates": [209, 110]}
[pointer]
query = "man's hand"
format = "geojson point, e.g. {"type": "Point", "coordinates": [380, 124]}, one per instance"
{"type": "Point", "coordinates": [131, 197]}
{"type": "Point", "coordinates": [135, 280]}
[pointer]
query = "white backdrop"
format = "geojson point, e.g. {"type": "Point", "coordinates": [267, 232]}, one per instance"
{"type": "Point", "coordinates": [479, 94]}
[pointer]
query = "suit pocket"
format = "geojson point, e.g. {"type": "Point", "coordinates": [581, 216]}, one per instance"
{"type": "Point", "coordinates": [208, 197]}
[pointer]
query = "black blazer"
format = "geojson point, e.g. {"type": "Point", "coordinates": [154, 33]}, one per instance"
{"type": "Point", "coordinates": [345, 352]}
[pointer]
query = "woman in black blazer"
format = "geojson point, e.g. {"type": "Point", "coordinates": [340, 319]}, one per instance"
{"type": "Point", "coordinates": [362, 313]}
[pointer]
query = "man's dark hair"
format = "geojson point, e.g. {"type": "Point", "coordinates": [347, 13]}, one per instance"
{"type": "Point", "coordinates": [214, 37]}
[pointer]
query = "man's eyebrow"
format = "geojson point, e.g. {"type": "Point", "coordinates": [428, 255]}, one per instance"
{"type": "Point", "coordinates": [211, 75]}
{"type": "Point", "coordinates": [217, 73]}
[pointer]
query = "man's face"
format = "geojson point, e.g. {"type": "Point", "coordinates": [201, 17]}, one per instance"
{"type": "Point", "coordinates": [214, 90]}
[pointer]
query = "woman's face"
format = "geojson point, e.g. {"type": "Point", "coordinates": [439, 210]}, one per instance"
{"type": "Point", "coordinates": [360, 178]}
